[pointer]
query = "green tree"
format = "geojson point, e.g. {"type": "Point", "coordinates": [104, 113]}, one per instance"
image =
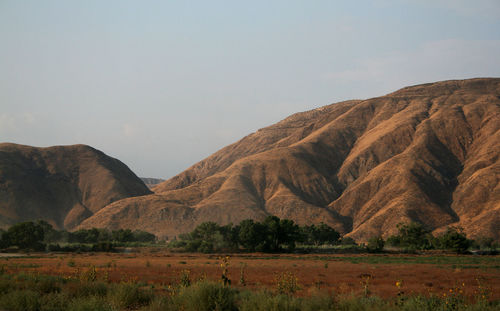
{"type": "Point", "coordinates": [122, 235]}
{"type": "Point", "coordinates": [251, 235]}
{"type": "Point", "coordinates": [455, 239]}
{"type": "Point", "coordinates": [375, 244]}
{"type": "Point", "coordinates": [289, 234]}
{"type": "Point", "coordinates": [411, 236]}
{"type": "Point", "coordinates": [143, 236]}
{"type": "Point", "coordinates": [25, 235]}
{"type": "Point", "coordinates": [280, 232]}
{"type": "Point", "coordinates": [319, 234]}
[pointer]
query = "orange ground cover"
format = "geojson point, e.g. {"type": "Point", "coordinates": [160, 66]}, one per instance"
{"type": "Point", "coordinates": [330, 273]}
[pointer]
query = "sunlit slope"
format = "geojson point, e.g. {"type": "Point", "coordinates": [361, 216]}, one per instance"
{"type": "Point", "coordinates": [426, 153]}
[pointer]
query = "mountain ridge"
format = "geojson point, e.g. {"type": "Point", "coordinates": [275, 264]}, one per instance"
{"type": "Point", "coordinates": [426, 153]}
{"type": "Point", "coordinates": [60, 184]}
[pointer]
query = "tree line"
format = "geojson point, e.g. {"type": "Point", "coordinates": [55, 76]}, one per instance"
{"type": "Point", "coordinates": [271, 235]}
{"type": "Point", "coordinates": [415, 236]}
{"type": "Point", "coordinates": [282, 235]}
{"type": "Point", "coordinates": [40, 235]}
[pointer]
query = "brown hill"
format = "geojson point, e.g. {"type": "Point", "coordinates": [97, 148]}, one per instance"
{"type": "Point", "coordinates": [63, 184]}
{"type": "Point", "coordinates": [426, 153]}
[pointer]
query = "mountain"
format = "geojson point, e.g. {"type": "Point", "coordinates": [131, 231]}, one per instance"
{"type": "Point", "coordinates": [62, 184]}
{"type": "Point", "coordinates": [427, 153]}
{"type": "Point", "coordinates": [151, 182]}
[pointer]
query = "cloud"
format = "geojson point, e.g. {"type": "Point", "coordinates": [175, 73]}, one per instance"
{"type": "Point", "coordinates": [11, 123]}
{"type": "Point", "coordinates": [7, 123]}
{"type": "Point", "coordinates": [129, 130]}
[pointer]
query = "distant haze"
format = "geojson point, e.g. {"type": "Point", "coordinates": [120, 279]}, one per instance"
{"type": "Point", "coordinates": [162, 84]}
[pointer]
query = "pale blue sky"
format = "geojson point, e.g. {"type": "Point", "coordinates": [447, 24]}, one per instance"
{"type": "Point", "coordinates": [163, 84]}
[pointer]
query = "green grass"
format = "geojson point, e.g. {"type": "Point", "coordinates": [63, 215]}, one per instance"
{"type": "Point", "coordinates": [466, 261]}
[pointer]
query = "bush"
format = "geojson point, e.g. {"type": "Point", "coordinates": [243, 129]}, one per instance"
{"type": "Point", "coordinates": [263, 301]}
{"type": "Point", "coordinates": [89, 304]}
{"type": "Point", "coordinates": [22, 300]}
{"type": "Point", "coordinates": [347, 241]}
{"type": "Point", "coordinates": [87, 289]}
{"type": "Point", "coordinates": [54, 302]}
{"type": "Point", "coordinates": [205, 296]}
{"type": "Point", "coordinates": [128, 295]}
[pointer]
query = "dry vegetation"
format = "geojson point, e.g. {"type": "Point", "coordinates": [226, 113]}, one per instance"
{"type": "Point", "coordinates": [336, 274]}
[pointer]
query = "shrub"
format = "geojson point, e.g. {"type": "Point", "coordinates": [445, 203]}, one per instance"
{"type": "Point", "coordinates": [48, 284]}
{"type": "Point", "coordinates": [54, 302]}
{"type": "Point", "coordinates": [207, 296]}
{"type": "Point", "coordinates": [263, 301]}
{"type": "Point", "coordinates": [128, 295]}
{"type": "Point", "coordinates": [22, 300]}
{"type": "Point", "coordinates": [86, 289]}
{"type": "Point", "coordinates": [347, 241]}
{"type": "Point", "coordinates": [89, 304]}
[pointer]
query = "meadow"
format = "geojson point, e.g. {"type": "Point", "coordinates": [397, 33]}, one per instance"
{"type": "Point", "coordinates": [159, 279]}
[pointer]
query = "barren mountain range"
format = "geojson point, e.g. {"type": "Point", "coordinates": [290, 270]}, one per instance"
{"type": "Point", "coordinates": [63, 184]}
{"type": "Point", "coordinates": [427, 153]}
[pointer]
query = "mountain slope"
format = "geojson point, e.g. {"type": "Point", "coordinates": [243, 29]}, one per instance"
{"type": "Point", "coordinates": [62, 184]}
{"type": "Point", "coordinates": [427, 153]}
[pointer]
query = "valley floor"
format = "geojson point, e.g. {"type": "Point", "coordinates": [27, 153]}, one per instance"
{"type": "Point", "coordinates": [376, 274]}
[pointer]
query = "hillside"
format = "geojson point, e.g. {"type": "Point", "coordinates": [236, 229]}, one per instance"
{"type": "Point", "coordinates": [62, 184]}
{"type": "Point", "coordinates": [426, 153]}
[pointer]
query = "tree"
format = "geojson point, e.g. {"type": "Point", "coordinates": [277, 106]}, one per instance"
{"type": "Point", "coordinates": [122, 235]}
{"type": "Point", "coordinates": [412, 236]}
{"type": "Point", "coordinates": [319, 234]}
{"type": "Point", "coordinates": [25, 235]}
{"type": "Point", "coordinates": [455, 239]}
{"type": "Point", "coordinates": [289, 233]}
{"type": "Point", "coordinates": [143, 236]}
{"type": "Point", "coordinates": [251, 235]}
{"type": "Point", "coordinates": [280, 232]}
{"type": "Point", "coordinates": [375, 244]}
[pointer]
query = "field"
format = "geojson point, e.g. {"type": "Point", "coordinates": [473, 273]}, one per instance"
{"type": "Point", "coordinates": [377, 274]}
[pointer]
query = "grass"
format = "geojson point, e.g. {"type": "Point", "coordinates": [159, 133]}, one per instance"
{"type": "Point", "coordinates": [465, 262]}
{"type": "Point", "coordinates": [25, 291]}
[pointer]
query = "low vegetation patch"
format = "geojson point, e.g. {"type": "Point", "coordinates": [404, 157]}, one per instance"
{"type": "Point", "coordinates": [39, 292]}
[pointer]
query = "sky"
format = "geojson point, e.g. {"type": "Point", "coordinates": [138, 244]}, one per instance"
{"type": "Point", "coordinates": [161, 85]}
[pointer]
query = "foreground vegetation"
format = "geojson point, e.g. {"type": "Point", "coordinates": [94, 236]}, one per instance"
{"type": "Point", "coordinates": [91, 291]}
